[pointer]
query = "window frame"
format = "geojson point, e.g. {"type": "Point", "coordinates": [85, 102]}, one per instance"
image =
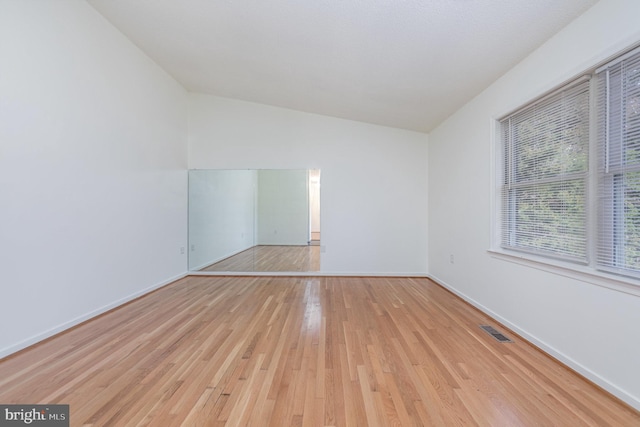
{"type": "Point", "coordinates": [589, 271]}
{"type": "Point", "coordinates": [613, 168]}
{"type": "Point", "coordinates": [509, 185]}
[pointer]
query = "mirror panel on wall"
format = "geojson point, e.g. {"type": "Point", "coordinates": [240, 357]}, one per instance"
{"type": "Point", "coordinates": [254, 220]}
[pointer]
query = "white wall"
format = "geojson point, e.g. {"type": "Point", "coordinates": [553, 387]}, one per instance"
{"type": "Point", "coordinates": [592, 328]}
{"type": "Point", "coordinates": [222, 208]}
{"type": "Point", "coordinates": [283, 207]}
{"type": "Point", "coordinates": [373, 184]}
{"type": "Point", "coordinates": [93, 159]}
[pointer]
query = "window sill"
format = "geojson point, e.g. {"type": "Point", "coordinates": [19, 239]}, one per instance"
{"type": "Point", "coordinates": [583, 273]}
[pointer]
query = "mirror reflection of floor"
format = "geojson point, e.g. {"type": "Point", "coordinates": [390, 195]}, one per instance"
{"type": "Point", "coordinates": [271, 258]}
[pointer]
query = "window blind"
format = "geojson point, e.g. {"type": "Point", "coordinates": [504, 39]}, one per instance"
{"type": "Point", "coordinates": [544, 183]}
{"type": "Point", "coordinates": [618, 107]}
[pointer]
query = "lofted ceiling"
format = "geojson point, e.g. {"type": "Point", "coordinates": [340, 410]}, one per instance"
{"type": "Point", "coordinates": [401, 63]}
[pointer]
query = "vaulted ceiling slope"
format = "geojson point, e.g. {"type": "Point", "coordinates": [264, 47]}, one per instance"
{"type": "Point", "coordinates": [402, 63]}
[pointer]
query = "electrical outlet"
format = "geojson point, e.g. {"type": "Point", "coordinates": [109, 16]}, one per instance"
{"type": "Point", "coordinates": [193, 248]}
{"type": "Point", "coordinates": [182, 250]}
{"type": "Point", "coordinates": [451, 259]}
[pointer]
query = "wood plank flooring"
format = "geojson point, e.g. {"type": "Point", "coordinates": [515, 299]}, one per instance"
{"type": "Point", "coordinates": [271, 258]}
{"type": "Point", "coordinates": [302, 351]}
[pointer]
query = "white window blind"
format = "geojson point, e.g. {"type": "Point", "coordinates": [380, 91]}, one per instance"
{"type": "Point", "coordinates": [544, 180]}
{"type": "Point", "coordinates": [618, 100]}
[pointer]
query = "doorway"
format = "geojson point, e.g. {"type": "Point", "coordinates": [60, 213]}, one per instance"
{"type": "Point", "coordinates": [314, 207]}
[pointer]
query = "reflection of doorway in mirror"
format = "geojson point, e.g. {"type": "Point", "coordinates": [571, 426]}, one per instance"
{"type": "Point", "coordinates": [314, 207]}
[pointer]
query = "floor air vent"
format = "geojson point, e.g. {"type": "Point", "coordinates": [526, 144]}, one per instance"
{"type": "Point", "coordinates": [497, 335]}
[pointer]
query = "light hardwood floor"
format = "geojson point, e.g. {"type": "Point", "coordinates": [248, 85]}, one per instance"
{"type": "Point", "coordinates": [296, 351]}
{"type": "Point", "coordinates": [271, 258]}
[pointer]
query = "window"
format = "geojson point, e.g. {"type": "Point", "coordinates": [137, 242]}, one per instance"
{"type": "Point", "coordinates": [545, 174]}
{"type": "Point", "coordinates": [618, 141]}
{"type": "Point", "coordinates": [544, 183]}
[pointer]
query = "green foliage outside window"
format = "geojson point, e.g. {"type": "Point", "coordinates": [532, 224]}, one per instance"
{"type": "Point", "coordinates": [545, 182]}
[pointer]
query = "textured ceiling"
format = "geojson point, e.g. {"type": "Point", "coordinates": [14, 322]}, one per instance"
{"type": "Point", "coordinates": [401, 63]}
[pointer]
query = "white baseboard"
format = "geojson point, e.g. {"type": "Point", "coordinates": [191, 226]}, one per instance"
{"type": "Point", "coordinates": [550, 350]}
{"type": "Point", "coordinates": [305, 273]}
{"type": "Point", "coordinates": [73, 322]}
